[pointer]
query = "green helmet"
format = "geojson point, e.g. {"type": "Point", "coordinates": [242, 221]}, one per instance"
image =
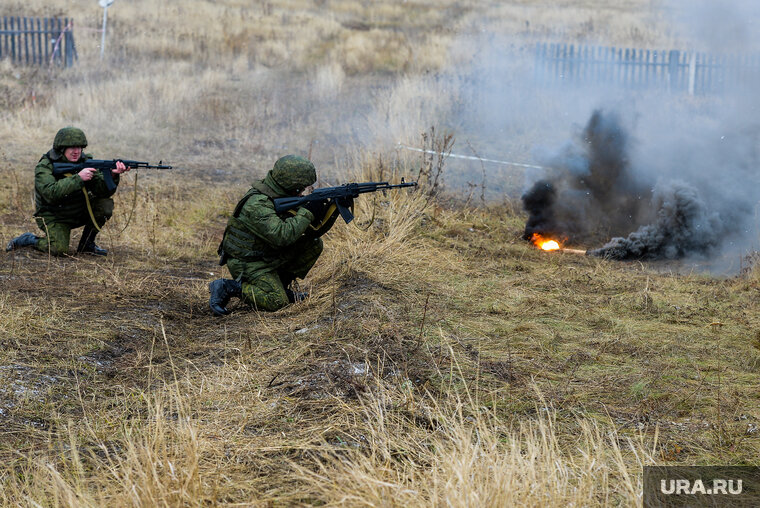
{"type": "Point", "coordinates": [68, 137]}
{"type": "Point", "coordinates": [294, 173]}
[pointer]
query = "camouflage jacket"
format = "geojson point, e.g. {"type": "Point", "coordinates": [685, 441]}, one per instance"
{"type": "Point", "coordinates": [60, 197]}
{"type": "Point", "coordinates": [255, 232]}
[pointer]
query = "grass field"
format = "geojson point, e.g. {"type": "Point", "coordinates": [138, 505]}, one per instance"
{"type": "Point", "coordinates": [440, 360]}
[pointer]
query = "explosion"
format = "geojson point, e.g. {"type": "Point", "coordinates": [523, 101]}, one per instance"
{"type": "Point", "coordinates": [544, 243]}
{"type": "Point", "coordinates": [593, 194]}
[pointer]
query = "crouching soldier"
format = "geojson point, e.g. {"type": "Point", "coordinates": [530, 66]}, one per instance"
{"type": "Point", "coordinates": [266, 251]}
{"type": "Point", "coordinates": [68, 201]}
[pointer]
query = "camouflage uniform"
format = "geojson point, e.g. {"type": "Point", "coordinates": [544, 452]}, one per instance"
{"type": "Point", "coordinates": [60, 199]}
{"type": "Point", "coordinates": [265, 251]}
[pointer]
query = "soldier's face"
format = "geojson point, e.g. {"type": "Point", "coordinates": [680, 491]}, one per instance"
{"type": "Point", "coordinates": [72, 153]}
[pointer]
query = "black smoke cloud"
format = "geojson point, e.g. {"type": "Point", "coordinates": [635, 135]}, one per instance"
{"type": "Point", "coordinates": [591, 190]}
{"type": "Point", "coordinates": [595, 192]}
{"type": "Point", "coordinates": [684, 227]}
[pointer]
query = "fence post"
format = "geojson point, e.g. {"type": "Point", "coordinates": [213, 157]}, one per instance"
{"type": "Point", "coordinates": [69, 56]}
{"type": "Point", "coordinates": [692, 71]}
{"type": "Point", "coordinates": [672, 69]}
{"type": "Point", "coordinates": [13, 43]}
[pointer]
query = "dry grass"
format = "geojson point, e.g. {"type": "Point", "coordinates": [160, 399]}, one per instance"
{"type": "Point", "coordinates": [439, 361]}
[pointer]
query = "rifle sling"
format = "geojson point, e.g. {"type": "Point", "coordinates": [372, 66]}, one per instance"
{"type": "Point", "coordinates": [329, 213]}
{"type": "Point", "coordinates": [89, 207]}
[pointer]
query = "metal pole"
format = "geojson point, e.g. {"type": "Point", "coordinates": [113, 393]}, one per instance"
{"type": "Point", "coordinates": [103, 38]}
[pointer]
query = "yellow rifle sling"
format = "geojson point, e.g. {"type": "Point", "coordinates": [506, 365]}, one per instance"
{"type": "Point", "coordinates": [330, 211]}
{"type": "Point", "coordinates": [89, 208]}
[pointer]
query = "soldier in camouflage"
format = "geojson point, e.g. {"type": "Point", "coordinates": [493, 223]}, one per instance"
{"type": "Point", "coordinates": [66, 202]}
{"type": "Point", "coordinates": [266, 251]}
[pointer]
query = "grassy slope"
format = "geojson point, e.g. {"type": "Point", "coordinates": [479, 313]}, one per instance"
{"type": "Point", "coordinates": [513, 327]}
{"type": "Point", "coordinates": [439, 359]}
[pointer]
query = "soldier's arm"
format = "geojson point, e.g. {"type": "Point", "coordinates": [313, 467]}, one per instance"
{"type": "Point", "coordinates": [98, 183]}
{"type": "Point", "coordinates": [259, 215]}
{"type": "Point", "coordinates": [51, 189]}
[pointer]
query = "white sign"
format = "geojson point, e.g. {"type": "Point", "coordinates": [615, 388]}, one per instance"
{"type": "Point", "coordinates": [104, 4]}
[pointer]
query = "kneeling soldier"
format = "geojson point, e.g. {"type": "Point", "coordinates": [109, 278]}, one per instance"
{"type": "Point", "coordinates": [266, 251]}
{"type": "Point", "coordinates": [65, 202]}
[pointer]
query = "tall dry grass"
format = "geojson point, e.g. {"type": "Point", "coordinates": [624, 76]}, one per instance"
{"type": "Point", "coordinates": [395, 448]}
{"type": "Point", "coordinates": [230, 87]}
{"type": "Point", "coordinates": [468, 458]}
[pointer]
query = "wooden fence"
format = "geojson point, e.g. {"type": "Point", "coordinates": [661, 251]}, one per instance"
{"type": "Point", "coordinates": [675, 71]}
{"type": "Point", "coordinates": [38, 41]}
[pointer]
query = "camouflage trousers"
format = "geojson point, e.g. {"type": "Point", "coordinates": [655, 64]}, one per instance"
{"type": "Point", "coordinates": [58, 230]}
{"type": "Point", "coordinates": [264, 283]}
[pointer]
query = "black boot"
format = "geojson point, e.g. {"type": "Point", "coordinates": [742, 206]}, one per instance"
{"type": "Point", "coordinates": [296, 296]}
{"type": "Point", "coordinates": [87, 243]}
{"type": "Point", "coordinates": [287, 278]}
{"type": "Point", "coordinates": [221, 291]}
{"type": "Point", "coordinates": [25, 240]}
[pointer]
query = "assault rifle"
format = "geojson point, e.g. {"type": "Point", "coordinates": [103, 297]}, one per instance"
{"type": "Point", "coordinates": [104, 166]}
{"type": "Point", "coordinates": [337, 195]}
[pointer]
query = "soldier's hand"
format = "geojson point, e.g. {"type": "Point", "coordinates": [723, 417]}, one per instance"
{"type": "Point", "coordinates": [317, 209]}
{"type": "Point", "coordinates": [86, 174]}
{"type": "Point", "coordinates": [120, 168]}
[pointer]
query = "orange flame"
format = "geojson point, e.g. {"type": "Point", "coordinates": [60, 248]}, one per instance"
{"type": "Point", "coordinates": [544, 243]}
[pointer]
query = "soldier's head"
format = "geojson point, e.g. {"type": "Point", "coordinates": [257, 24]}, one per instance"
{"type": "Point", "coordinates": [294, 173]}
{"type": "Point", "coordinates": [70, 142]}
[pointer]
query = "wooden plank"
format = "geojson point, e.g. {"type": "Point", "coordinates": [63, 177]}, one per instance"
{"type": "Point", "coordinates": [698, 74]}
{"type": "Point", "coordinates": [57, 43]}
{"type": "Point", "coordinates": [70, 45]}
{"type": "Point", "coordinates": [544, 62]}
{"type": "Point", "coordinates": [611, 65]}
{"type": "Point", "coordinates": [65, 43]}
{"type": "Point", "coordinates": [32, 41]}
{"type": "Point", "coordinates": [47, 40]}
{"type": "Point", "coordinates": [656, 77]}
{"type": "Point", "coordinates": [39, 43]}
{"type": "Point", "coordinates": [646, 68]}
{"type": "Point", "coordinates": [26, 41]}
{"type": "Point", "coordinates": [622, 67]}
{"type": "Point", "coordinates": [600, 64]}
{"type": "Point", "coordinates": [13, 41]}
{"type": "Point", "coordinates": [634, 69]}
{"type": "Point", "coordinates": [571, 63]}
{"type": "Point", "coordinates": [586, 64]}
{"type": "Point", "coordinates": [692, 72]}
